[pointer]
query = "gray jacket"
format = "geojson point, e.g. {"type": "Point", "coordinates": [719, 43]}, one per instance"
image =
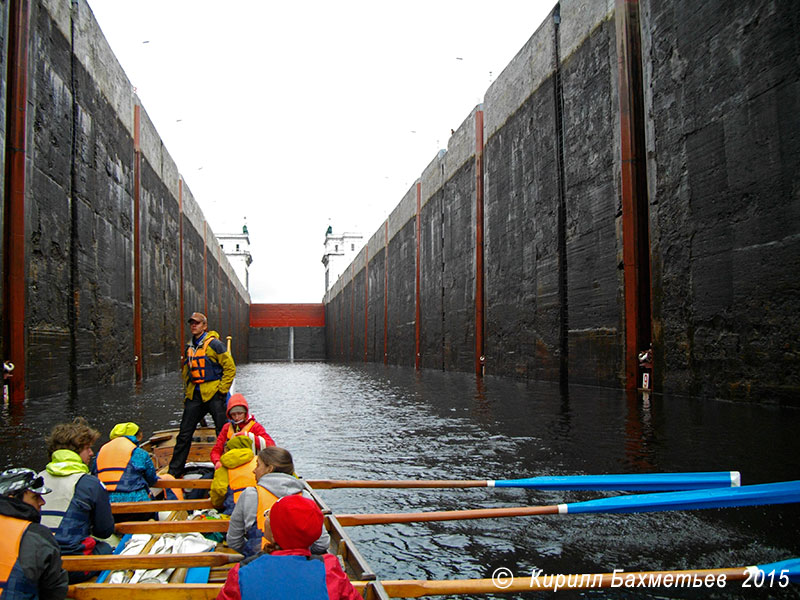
{"type": "Point", "coordinates": [244, 513]}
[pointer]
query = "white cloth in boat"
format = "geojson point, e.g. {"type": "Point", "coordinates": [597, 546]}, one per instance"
{"type": "Point", "coordinates": [167, 543]}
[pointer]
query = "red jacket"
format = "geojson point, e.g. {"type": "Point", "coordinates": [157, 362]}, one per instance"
{"type": "Point", "coordinates": [339, 587]}
{"type": "Point", "coordinates": [259, 434]}
{"type": "Point", "coordinates": [255, 432]}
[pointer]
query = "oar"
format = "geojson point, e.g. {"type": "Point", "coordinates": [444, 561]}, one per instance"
{"type": "Point", "coordinates": [750, 495]}
{"type": "Point", "coordinates": [629, 482]}
{"type": "Point", "coordinates": [159, 505]}
{"type": "Point", "coordinates": [779, 573]}
{"type": "Point", "coordinates": [121, 562]}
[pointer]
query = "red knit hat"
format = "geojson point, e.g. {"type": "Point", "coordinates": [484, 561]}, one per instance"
{"type": "Point", "coordinates": [296, 522]}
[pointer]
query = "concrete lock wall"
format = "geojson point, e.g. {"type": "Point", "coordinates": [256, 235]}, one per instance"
{"type": "Point", "coordinates": [723, 90]}
{"type": "Point", "coordinates": [107, 288]}
{"type": "Point", "coordinates": [712, 281]}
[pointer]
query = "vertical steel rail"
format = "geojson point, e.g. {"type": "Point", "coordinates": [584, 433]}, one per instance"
{"type": "Point", "coordinates": [137, 254]}
{"type": "Point", "coordinates": [350, 354]}
{"type": "Point", "coordinates": [479, 275]}
{"type": "Point", "coordinates": [386, 292]}
{"type": "Point", "coordinates": [417, 300]}
{"type": "Point", "coordinates": [205, 268]}
{"type": "Point", "coordinates": [181, 331]}
{"type": "Point", "coordinates": [366, 302]}
{"type": "Point", "coordinates": [221, 278]}
{"type": "Point", "coordinates": [14, 235]}
{"type": "Point", "coordinates": [563, 281]}
{"type": "Point", "coordinates": [635, 234]}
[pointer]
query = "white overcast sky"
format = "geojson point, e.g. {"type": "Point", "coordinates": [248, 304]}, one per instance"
{"type": "Point", "coordinates": [297, 115]}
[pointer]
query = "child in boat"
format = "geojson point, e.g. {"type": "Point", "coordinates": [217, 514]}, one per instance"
{"type": "Point", "coordinates": [290, 570]}
{"type": "Point", "coordinates": [126, 470]}
{"type": "Point", "coordinates": [274, 472]}
{"type": "Point", "coordinates": [79, 511]}
{"type": "Point", "coordinates": [235, 474]}
{"type": "Point", "coordinates": [240, 422]}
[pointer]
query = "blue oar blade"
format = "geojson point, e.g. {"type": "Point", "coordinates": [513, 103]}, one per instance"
{"type": "Point", "coordinates": [629, 482]}
{"type": "Point", "coordinates": [789, 568]}
{"type": "Point", "coordinates": [749, 495]}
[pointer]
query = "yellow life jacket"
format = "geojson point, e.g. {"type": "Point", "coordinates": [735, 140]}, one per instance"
{"type": "Point", "coordinates": [112, 460]}
{"type": "Point", "coordinates": [12, 529]}
{"type": "Point", "coordinates": [241, 478]}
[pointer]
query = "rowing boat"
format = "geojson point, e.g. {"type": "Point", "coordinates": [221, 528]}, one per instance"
{"type": "Point", "coordinates": [212, 565]}
{"type": "Point", "coordinates": [218, 562]}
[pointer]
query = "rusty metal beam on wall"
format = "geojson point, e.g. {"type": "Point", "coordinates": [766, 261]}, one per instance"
{"type": "Point", "coordinates": [137, 254]}
{"type": "Point", "coordinates": [352, 312]}
{"type": "Point", "coordinates": [635, 230]}
{"type": "Point", "coordinates": [181, 325]}
{"type": "Point", "coordinates": [205, 268]}
{"type": "Point", "coordinates": [14, 297]}
{"type": "Point", "coordinates": [479, 302]}
{"type": "Point", "coordinates": [366, 303]}
{"type": "Point", "coordinates": [386, 292]}
{"type": "Point", "coordinates": [417, 288]}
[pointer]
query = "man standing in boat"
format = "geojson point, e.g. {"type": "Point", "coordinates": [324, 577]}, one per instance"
{"type": "Point", "coordinates": [208, 372]}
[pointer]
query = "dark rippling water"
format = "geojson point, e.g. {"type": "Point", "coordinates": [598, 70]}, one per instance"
{"type": "Point", "coordinates": [359, 422]}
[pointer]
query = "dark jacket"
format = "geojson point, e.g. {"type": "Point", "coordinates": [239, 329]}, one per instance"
{"type": "Point", "coordinates": [39, 556]}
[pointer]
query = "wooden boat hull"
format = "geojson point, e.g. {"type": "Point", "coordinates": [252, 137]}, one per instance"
{"type": "Point", "coordinates": [160, 446]}
{"type": "Point", "coordinates": [162, 443]}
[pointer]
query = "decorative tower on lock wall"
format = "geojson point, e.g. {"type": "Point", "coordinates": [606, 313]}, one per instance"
{"type": "Point", "coordinates": [236, 247]}
{"type": "Point", "coordinates": [340, 250]}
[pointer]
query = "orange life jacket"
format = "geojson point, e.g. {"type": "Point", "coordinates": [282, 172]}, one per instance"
{"type": "Point", "coordinates": [265, 501]}
{"type": "Point", "coordinates": [201, 369]}
{"type": "Point", "coordinates": [178, 492]}
{"type": "Point", "coordinates": [112, 460]}
{"type": "Point", "coordinates": [243, 431]}
{"type": "Point", "coordinates": [241, 478]}
{"type": "Point", "coordinates": [9, 546]}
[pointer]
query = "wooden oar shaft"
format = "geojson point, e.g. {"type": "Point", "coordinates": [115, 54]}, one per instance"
{"type": "Point", "coordinates": [410, 588]}
{"type": "Point", "coordinates": [144, 591]}
{"type": "Point", "coordinates": [198, 525]}
{"type": "Point", "coordinates": [347, 520]}
{"type": "Point", "coordinates": [641, 482]}
{"type": "Point", "coordinates": [414, 588]}
{"type": "Point", "coordinates": [329, 484]}
{"type": "Point", "coordinates": [120, 562]}
{"type": "Point", "coordinates": [202, 484]}
{"type": "Point", "coordinates": [447, 515]}
{"type": "Point", "coordinates": [159, 505]}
